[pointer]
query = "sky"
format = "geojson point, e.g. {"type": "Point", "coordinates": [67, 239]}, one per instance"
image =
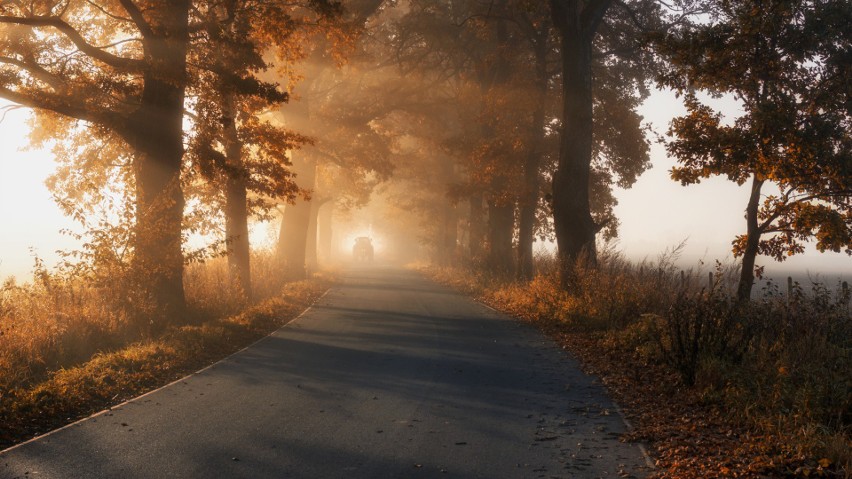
{"type": "Point", "coordinates": [656, 213]}
{"type": "Point", "coordinates": [29, 219]}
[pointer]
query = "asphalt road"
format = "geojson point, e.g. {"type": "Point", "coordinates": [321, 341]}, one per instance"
{"type": "Point", "coordinates": [387, 376]}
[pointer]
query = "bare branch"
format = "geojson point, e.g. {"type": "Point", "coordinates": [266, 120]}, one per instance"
{"type": "Point", "coordinates": [6, 109]}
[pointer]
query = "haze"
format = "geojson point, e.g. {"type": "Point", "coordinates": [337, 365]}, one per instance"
{"type": "Point", "coordinates": [708, 215]}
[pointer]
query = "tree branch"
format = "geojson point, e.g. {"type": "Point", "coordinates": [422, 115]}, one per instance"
{"type": "Point", "coordinates": [37, 71]}
{"type": "Point", "coordinates": [60, 104]}
{"type": "Point", "coordinates": [106, 12]}
{"type": "Point", "coordinates": [137, 17]}
{"type": "Point", "coordinates": [72, 34]}
{"type": "Point", "coordinates": [593, 15]}
{"type": "Point", "coordinates": [634, 17]}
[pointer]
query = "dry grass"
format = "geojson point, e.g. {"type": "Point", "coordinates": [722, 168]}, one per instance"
{"type": "Point", "coordinates": [779, 370]}
{"type": "Point", "coordinates": [52, 323]}
{"type": "Point", "coordinates": [67, 351]}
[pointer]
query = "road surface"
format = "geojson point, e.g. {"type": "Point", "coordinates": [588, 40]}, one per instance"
{"type": "Point", "coordinates": [387, 376]}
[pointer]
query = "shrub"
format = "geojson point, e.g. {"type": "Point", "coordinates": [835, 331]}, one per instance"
{"type": "Point", "coordinates": [702, 325]}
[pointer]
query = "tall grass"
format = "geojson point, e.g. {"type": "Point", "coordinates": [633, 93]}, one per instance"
{"type": "Point", "coordinates": [60, 319]}
{"type": "Point", "coordinates": [43, 385]}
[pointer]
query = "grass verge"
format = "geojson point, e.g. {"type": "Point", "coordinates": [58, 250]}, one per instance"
{"type": "Point", "coordinates": [773, 402]}
{"type": "Point", "coordinates": [108, 378]}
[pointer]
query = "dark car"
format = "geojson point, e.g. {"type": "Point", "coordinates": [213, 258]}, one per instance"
{"type": "Point", "coordinates": [363, 249]}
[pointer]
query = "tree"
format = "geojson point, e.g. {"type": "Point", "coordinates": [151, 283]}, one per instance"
{"type": "Point", "coordinates": [314, 95]}
{"type": "Point", "coordinates": [536, 28]}
{"type": "Point", "coordinates": [244, 157]}
{"type": "Point", "coordinates": [598, 40]}
{"type": "Point", "coordinates": [122, 67]}
{"type": "Point", "coordinates": [344, 106]}
{"type": "Point", "coordinates": [787, 63]}
{"type": "Point", "coordinates": [577, 23]}
{"type": "Point", "coordinates": [468, 50]}
{"type": "Point", "coordinates": [496, 63]}
{"type": "Point", "coordinates": [132, 91]}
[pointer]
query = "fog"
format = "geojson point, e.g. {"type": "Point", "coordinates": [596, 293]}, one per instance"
{"type": "Point", "coordinates": [435, 131]}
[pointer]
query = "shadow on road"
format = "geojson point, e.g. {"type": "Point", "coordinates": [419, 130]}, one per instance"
{"type": "Point", "coordinates": [388, 376]}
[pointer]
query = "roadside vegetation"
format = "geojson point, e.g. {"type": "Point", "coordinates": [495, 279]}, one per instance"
{"type": "Point", "coordinates": [68, 350]}
{"type": "Point", "coordinates": [716, 387]}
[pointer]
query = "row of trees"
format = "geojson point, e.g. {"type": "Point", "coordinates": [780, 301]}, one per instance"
{"type": "Point", "coordinates": [538, 118]}
{"type": "Point", "coordinates": [136, 73]}
{"type": "Point", "coordinates": [487, 124]}
{"type": "Point", "coordinates": [483, 123]}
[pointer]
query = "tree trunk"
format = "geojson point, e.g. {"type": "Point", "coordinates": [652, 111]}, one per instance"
{"type": "Point", "coordinates": [476, 227]}
{"type": "Point", "coordinates": [155, 132]}
{"type": "Point", "coordinates": [752, 242]}
{"type": "Point", "coordinates": [501, 226]}
{"type": "Point", "coordinates": [529, 199]}
{"type": "Point", "coordinates": [325, 232]}
{"type": "Point", "coordinates": [573, 224]}
{"type": "Point", "coordinates": [293, 235]}
{"type": "Point", "coordinates": [448, 235]}
{"type": "Point", "coordinates": [236, 230]}
{"type": "Point", "coordinates": [526, 220]}
{"type": "Point", "coordinates": [501, 204]}
{"type": "Point", "coordinates": [236, 209]}
{"type": "Point", "coordinates": [311, 238]}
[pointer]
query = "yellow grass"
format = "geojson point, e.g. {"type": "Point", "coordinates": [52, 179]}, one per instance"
{"type": "Point", "coordinates": [64, 353]}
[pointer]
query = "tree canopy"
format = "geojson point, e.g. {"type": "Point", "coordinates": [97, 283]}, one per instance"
{"type": "Point", "coordinates": [488, 125]}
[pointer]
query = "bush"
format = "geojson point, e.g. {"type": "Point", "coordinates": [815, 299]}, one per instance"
{"type": "Point", "coordinates": [698, 326]}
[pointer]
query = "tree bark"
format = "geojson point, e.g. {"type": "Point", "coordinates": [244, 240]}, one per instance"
{"type": "Point", "coordinates": [501, 226]}
{"type": "Point", "coordinates": [529, 199]}
{"type": "Point", "coordinates": [236, 209]}
{"type": "Point", "coordinates": [573, 224]}
{"type": "Point", "coordinates": [293, 235]}
{"type": "Point", "coordinates": [311, 237]}
{"type": "Point", "coordinates": [526, 221]}
{"type": "Point", "coordinates": [325, 231]}
{"type": "Point", "coordinates": [752, 242]}
{"type": "Point", "coordinates": [476, 227]}
{"type": "Point", "coordinates": [155, 132]}
{"type": "Point", "coordinates": [448, 235]}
